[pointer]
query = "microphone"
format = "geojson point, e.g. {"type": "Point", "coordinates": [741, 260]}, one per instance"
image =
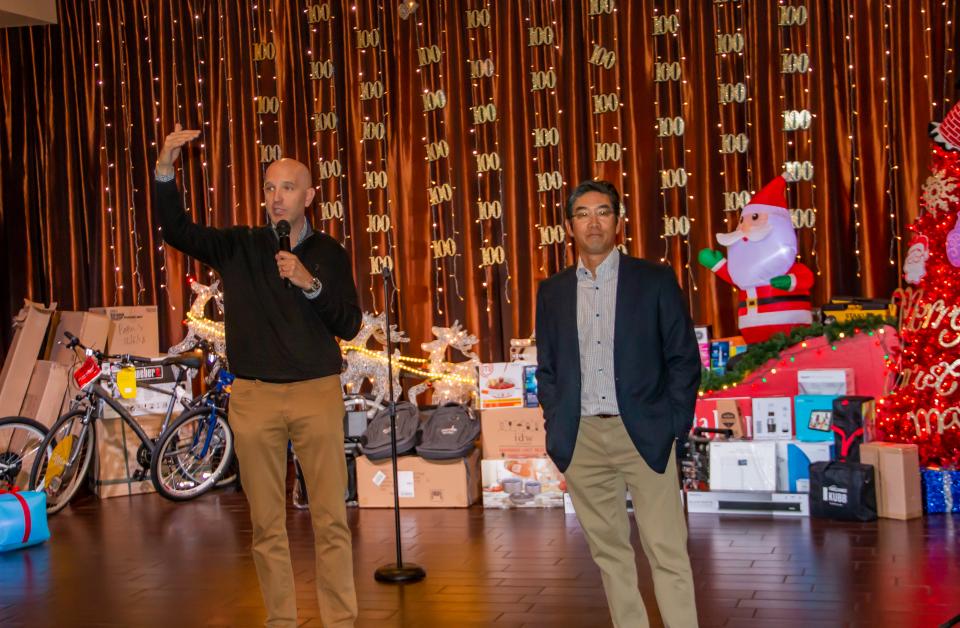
{"type": "Point", "coordinates": [283, 231]}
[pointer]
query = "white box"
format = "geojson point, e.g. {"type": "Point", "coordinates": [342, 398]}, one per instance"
{"type": "Point", "coordinates": [501, 385]}
{"type": "Point", "coordinates": [521, 483]}
{"type": "Point", "coordinates": [739, 503]}
{"type": "Point", "coordinates": [743, 466]}
{"type": "Point", "coordinates": [772, 418]}
{"type": "Point", "coordinates": [793, 463]}
{"type": "Point", "coordinates": [836, 382]}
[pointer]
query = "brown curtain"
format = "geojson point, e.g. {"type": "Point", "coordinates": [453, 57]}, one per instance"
{"type": "Point", "coordinates": [86, 103]}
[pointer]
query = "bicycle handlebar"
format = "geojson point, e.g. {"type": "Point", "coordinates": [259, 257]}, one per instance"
{"type": "Point", "coordinates": [127, 358]}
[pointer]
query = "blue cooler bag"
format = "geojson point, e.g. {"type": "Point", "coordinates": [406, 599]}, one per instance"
{"type": "Point", "coordinates": [23, 519]}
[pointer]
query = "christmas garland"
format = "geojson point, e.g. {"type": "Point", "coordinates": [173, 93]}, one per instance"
{"type": "Point", "coordinates": [762, 352]}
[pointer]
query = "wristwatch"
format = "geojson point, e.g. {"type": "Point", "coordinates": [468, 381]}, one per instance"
{"type": "Point", "coordinates": [314, 285]}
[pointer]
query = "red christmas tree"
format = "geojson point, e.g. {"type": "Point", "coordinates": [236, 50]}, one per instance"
{"type": "Point", "coordinates": [924, 406]}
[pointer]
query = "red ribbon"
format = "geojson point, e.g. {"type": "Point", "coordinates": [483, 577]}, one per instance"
{"type": "Point", "coordinates": [15, 491]}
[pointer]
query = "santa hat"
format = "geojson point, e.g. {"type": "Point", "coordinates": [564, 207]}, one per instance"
{"type": "Point", "coordinates": [772, 199]}
{"type": "Point", "coordinates": [947, 133]}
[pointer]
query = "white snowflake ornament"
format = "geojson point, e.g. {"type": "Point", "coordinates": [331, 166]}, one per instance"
{"type": "Point", "coordinates": [939, 192]}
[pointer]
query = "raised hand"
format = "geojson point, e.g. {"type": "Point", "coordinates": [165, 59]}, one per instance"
{"type": "Point", "coordinates": [171, 148]}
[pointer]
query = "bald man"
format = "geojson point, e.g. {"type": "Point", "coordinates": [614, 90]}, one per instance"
{"type": "Point", "coordinates": [282, 346]}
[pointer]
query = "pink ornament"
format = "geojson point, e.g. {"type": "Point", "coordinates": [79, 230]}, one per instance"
{"type": "Point", "coordinates": [953, 245]}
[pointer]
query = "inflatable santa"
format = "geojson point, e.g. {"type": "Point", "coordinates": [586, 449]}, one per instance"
{"type": "Point", "coordinates": [774, 288]}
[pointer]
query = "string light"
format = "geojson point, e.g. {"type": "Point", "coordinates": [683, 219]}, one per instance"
{"type": "Point", "coordinates": [484, 136]}
{"type": "Point", "coordinates": [106, 163]}
{"type": "Point", "coordinates": [548, 157]}
{"type": "Point", "coordinates": [890, 141]}
{"type": "Point", "coordinates": [437, 146]}
{"type": "Point", "coordinates": [852, 122]}
{"type": "Point", "coordinates": [599, 77]}
{"type": "Point", "coordinates": [135, 247]}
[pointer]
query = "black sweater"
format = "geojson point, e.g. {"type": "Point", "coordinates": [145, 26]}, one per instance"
{"type": "Point", "coordinates": [274, 333]}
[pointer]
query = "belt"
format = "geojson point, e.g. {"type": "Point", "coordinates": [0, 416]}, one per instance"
{"type": "Point", "coordinates": [606, 416]}
{"type": "Point", "coordinates": [768, 300]}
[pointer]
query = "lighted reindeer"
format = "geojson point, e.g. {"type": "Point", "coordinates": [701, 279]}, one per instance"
{"type": "Point", "coordinates": [370, 363]}
{"type": "Point", "coordinates": [454, 382]}
{"type": "Point", "coordinates": [199, 327]}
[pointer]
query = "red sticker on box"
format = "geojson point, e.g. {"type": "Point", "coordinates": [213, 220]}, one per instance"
{"type": "Point", "coordinates": [88, 371]}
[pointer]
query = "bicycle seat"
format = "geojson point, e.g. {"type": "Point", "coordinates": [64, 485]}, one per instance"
{"type": "Point", "coordinates": [186, 361]}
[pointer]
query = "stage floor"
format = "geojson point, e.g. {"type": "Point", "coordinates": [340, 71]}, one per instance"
{"type": "Point", "coordinates": [144, 561]}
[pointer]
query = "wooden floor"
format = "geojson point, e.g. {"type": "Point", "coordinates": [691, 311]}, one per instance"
{"type": "Point", "coordinates": [143, 561]}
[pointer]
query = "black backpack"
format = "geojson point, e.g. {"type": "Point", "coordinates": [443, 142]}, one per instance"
{"type": "Point", "coordinates": [843, 490]}
{"type": "Point", "coordinates": [376, 439]}
{"type": "Point", "coordinates": [448, 433]}
{"type": "Point", "coordinates": [847, 426]}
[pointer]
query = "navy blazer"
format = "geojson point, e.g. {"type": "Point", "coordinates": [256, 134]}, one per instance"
{"type": "Point", "coordinates": [656, 360]}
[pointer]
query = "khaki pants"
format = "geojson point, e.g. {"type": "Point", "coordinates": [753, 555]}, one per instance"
{"type": "Point", "coordinates": [263, 418]}
{"type": "Point", "coordinates": [605, 463]}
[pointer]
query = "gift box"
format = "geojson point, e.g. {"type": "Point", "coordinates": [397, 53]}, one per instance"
{"type": "Point", "coordinates": [501, 385]}
{"type": "Point", "coordinates": [941, 490]}
{"type": "Point", "coordinates": [897, 475]}
{"type": "Point", "coordinates": [521, 483]}
{"type": "Point", "coordinates": [793, 464]}
{"type": "Point", "coordinates": [719, 356]}
{"type": "Point", "coordinates": [743, 466]}
{"type": "Point", "coordinates": [703, 343]}
{"type": "Point", "coordinates": [23, 519]}
{"type": "Point", "coordinates": [772, 418]}
{"type": "Point", "coordinates": [530, 399]}
{"type": "Point", "coordinates": [814, 418]}
{"type": "Point", "coordinates": [733, 413]}
{"type": "Point", "coordinates": [513, 433]}
{"type": "Point", "coordinates": [833, 382]}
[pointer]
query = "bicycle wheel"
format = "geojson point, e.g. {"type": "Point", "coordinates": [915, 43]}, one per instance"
{"type": "Point", "coordinates": [20, 440]}
{"type": "Point", "coordinates": [192, 454]}
{"type": "Point", "coordinates": [64, 460]}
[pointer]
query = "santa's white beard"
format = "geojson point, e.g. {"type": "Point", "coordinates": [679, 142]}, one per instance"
{"type": "Point", "coordinates": [755, 262]}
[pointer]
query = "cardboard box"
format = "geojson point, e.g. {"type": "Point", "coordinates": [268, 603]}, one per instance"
{"type": "Point", "coordinates": [735, 413]}
{"type": "Point", "coordinates": [48, 385]}
{"type": "Point", "coordinates": [522, 483]}
{"type": "Point", "coordinates": [740, 503]}
{"type": "Point", "coordinates": [897, 475]}
{"type": "Point", "coordinates": [743, 466]}
{"type": "Point", "coordinates": [91, 329]}
{"type": "Point", "coordinates": [793, 464]}
{"type": "Point", "coordinates": [501, 385]}
{"type": "Point", "coordinates": [833, 382]}
{"type": "Point", "coordinates": [813, 417]}
{"type": "Point", "coordinates": [31, 331]}
{"type": "Point", "coordinates": [115, 469]}
{"type": "Point", "coordinates": [513, 433]}
{"type": "Point", "coordinates": [134, 330]}
{"type": "Point", "coordinates": [772, 418]}
{"type": "Point", "coordinates": [422, 483]}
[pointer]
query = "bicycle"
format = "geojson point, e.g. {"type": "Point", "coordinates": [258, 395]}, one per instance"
{"type": "Point", "coordinates": [20, 440]}
{"type": "Point", "coordinates": [196, 440]}
{"type": "Point", "coordinates": [67, 450]}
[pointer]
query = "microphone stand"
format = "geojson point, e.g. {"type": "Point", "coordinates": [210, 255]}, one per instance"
{"type": "Point", "coordinates": [398, 572]}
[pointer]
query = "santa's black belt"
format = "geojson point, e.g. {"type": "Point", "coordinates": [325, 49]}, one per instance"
{"type": "Point", "coordinates": [780, 299]}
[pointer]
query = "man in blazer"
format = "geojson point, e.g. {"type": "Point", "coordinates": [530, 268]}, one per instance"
{"type": "Point", "coordinates": [617, 378]}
